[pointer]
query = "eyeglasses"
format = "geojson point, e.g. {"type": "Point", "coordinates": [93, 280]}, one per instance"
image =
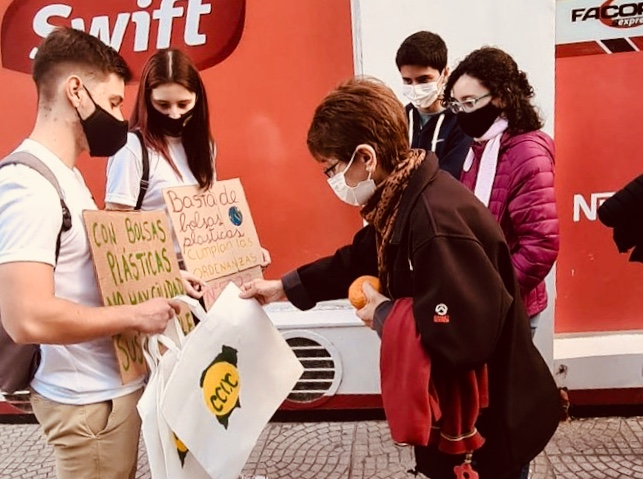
{"type": "Point", "coordinates": [466, 105]}
{"type": "Point", "coordinates": [330, 171]}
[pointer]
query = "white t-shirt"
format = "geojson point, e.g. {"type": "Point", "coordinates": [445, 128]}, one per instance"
{"type": "Point", "coordinates": [125, 169]}
{"type": "Point", "coordinates": [30, 220]}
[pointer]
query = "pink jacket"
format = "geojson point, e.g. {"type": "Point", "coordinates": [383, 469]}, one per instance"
{"type": "Point", "coordinates": [523, 202]}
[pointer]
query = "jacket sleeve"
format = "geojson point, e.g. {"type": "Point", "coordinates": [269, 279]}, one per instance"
{"type": "Point", "coordinates": [534, 219]}
{"type": "Point", "coordinates": [460, 301]}
{"type": "Point", "coordinates": [455, 152]}
{"type": "Point", "coordinates": [329, 278]}
{"type": "Point", "coordinates": [624, 213]}
{"type": "Point", "coordinates": [625, 206]}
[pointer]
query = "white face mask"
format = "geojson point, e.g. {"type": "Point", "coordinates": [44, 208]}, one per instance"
{"type": "Point", "coordinates": [353, 195]}
{"type": "Point", "coordinates": [423, 95]}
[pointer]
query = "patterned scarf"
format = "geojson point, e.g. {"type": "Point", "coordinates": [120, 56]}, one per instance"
{"type": "Point", "coordinates": [381, 209]}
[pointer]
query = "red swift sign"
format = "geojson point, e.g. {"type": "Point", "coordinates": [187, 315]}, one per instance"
{"type": "Point", "coordinates": [208, 30]}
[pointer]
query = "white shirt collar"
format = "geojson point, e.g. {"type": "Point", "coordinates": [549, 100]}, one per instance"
{"type": "Point", "coordinates": [49, 158]}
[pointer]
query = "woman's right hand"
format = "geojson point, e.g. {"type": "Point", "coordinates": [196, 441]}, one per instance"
{"type": "Point", "coordinates": [263, 290]}
{"type": "Point", "coordinates": [194, 286]}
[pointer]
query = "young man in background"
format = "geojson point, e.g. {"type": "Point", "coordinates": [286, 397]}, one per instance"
{"type": "Point", "coordinates": [422, 62]}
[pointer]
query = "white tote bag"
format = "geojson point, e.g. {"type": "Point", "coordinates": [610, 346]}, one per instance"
{"type": "Point", "coordinates": [167, 456]}
{"type": "Point", "coordinates": [234, 371]}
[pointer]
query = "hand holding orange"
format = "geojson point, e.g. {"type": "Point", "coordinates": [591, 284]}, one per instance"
{"type": "Point", "coordinates": [356, 293]}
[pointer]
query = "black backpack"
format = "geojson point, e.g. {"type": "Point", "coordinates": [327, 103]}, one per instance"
{"type": "Point", "coordinates": [19, 362]}
{"type": "Point", "coordinates": [145, 178]}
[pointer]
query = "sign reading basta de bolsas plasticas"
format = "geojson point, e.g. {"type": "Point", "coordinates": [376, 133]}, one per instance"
{"type": "Point", "coordinates": [216, 234]}
{"type": "Point", "coordinates": [135, 261]}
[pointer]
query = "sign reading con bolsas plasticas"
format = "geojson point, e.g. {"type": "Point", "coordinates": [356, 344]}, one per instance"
{"type": "Point", "coordinates": [135, 261]}
{"type": "Point", "coordinates": [216, 234]}
{"type": "Point", "coordinates": [206, 30]}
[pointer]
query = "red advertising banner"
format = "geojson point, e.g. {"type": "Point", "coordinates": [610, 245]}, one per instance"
{"type": "Point", "coordinates": [599, 114]}
{"type": "Point", "coordinates": [208, 31]}
{"type": "Point", "coordinates": [266, 66]}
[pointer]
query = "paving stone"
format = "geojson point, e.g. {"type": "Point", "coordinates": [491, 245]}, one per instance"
{"type": "Point", "coordinates": [295, 450]}
{"type": "Point", "coordinates": [598, 467]}
{"type": "Point", "coordinates": [606, 436]}
{"type": "Point", "coordinates": [603, 448]}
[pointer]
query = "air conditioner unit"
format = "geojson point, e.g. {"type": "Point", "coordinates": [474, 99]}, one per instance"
{"type": "Point", "coordinates": [339, 353]}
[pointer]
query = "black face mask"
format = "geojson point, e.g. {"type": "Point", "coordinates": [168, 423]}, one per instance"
{"type": "Point", "coordinates": [476, 123]}
{"type": "Point", "coordinates": [170, 126]}
{"type": "Point", "coordinates": [105, 133]}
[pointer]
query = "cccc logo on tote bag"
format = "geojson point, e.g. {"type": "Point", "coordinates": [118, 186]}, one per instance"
{"type": "Point", "coordinates": [221, 384]}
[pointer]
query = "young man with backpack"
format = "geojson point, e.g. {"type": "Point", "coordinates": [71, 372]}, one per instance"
{"type": "Point", "coordinates": [422, 62]}
{"type": "Point", "coordinates": [49, 294]}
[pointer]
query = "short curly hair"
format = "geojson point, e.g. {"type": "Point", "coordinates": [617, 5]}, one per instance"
{"type": "Point", "coordinates": [361, 110]}
{"type": "Point", "coordinates": [497, 71]}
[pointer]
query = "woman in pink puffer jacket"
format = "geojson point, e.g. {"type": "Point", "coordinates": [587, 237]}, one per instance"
{"type": "Point", "coordinates": [510, 166]}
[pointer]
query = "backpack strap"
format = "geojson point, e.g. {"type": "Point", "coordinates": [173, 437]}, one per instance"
{"type": "Point", "coordinates": [27, 159]}
{"type": "Point", "coordinates": [145, 178]}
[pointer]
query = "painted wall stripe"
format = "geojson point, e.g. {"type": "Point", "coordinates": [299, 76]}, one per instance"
{"type": "Point", "coordinates": [638, 41]}
{"type": "Point", "coordinates": [595, 47]}
{"type": "Point", "coordinates": [618, 45]}
{"type": "Point", "coordinates": [578, 49]}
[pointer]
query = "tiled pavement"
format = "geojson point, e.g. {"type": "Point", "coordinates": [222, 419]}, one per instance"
{"type": "Point", "coordinates": [581, 449]}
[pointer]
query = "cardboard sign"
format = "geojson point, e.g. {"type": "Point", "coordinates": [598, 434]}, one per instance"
{"type": "Point", "coordinates": [214, 229]}
{"type": "Point", "coordinates": [215, 287]}
{"type": "Point", "coordinates": [135, 261]}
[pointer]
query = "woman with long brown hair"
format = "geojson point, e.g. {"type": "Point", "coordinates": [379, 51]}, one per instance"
{"type": "Point", "coordinates": [171, 115]}
{"type": "Point", "coordinates": [170, 143]}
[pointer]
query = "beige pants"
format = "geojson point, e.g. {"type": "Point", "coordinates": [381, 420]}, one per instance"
{"type": "Point", "coordinates": [94, 441]}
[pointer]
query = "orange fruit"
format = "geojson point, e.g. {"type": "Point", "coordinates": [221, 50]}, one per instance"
{"type": "Point", "coordinates": [356, 293]}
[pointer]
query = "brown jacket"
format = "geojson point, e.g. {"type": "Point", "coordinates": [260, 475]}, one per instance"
{"type": "Point", "coordinates": [448, 250]}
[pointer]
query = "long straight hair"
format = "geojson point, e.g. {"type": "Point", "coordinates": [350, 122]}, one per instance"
{"type": "Point", "coordinates": [174, 66]}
